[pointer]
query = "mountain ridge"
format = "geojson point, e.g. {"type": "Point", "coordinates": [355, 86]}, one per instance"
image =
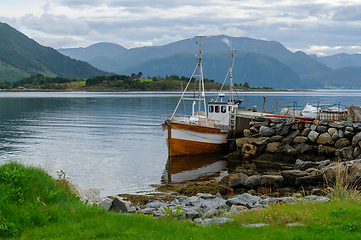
{"type": "Point", "coordinates": [22, 57]}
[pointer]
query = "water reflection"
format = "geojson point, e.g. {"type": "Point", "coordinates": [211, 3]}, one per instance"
{"type": "Point", "coordinates": [181, 169]}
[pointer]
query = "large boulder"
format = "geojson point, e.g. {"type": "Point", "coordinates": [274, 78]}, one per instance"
{"type": "Point", "coordinates": [313, 135]}
{"type": "Point", "coordinates": [325, 139]}
{"type": "Point", "coordinates": [237, 179]}
{"type": "Point", "coordinates": [245, 199]}
{"type": "Point", "coordinates": [119, 204]}
{"type": "Point", "coordinates": [342, 142]}
{"type": "Point", "coordinates": [252, 181]}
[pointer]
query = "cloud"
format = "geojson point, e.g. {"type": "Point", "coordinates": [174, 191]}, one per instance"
{"type": "Point", "coordinates": [57, 25]}
{"type": "Point", "coordinates": [348, 13]}
{"type": "Point", "coordinates": [132, 23]}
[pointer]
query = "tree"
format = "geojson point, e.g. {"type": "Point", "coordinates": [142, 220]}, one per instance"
{"type": "Point", "coordinates": [246, 85]}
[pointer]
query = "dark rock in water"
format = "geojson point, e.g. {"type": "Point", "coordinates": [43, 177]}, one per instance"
{"type": "Point", "coordinates": [119, 204]}
{"type": "Point", "coordinates": [252, 181]}
{"type": "Point", "coordinates": [244, 199]}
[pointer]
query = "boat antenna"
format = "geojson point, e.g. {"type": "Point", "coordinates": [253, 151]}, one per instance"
{"type": "Point", "coordinates": [231, 75]}
{"type": "Point", "coordinates": [230, 71]}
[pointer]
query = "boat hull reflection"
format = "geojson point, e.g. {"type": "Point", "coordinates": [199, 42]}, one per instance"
{"type": "Point", "coordinates": [182, 169]}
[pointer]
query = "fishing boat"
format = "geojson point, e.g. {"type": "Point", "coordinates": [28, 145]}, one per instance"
{"type": "Point", "coordinates": [198, 133]}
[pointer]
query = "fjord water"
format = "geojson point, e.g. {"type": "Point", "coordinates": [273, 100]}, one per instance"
{"type": "Point", "coordinates": [113, 141]}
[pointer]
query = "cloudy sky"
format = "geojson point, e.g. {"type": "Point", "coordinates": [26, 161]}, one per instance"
{"type": "Point", "coordinates": [323, 27]}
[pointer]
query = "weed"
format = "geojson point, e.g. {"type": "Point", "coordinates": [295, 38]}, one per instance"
{"type": "Point", "coordinates": [169, 211]}
{"type": "Point", "coordinates": [339, 182]}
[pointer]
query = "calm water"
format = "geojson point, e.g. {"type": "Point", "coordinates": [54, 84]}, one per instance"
{"type": "Point", "coordinates": [113, 141]}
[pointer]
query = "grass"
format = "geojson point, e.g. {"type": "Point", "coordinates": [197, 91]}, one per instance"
{"type": "Point", "coordinates": [35, 206]}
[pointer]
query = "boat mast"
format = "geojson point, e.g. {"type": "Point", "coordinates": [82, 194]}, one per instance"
{"type": "Point", "coordinates": [201, 95]}
{"type": "Point", "coordinates": [231, 76]}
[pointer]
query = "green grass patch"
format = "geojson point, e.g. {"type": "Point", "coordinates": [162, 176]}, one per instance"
{"type": "Point", "coordinates": [33, 205]}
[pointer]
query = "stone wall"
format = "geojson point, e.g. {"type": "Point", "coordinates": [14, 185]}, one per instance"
{"type": "Point", "coordinates": [275, 143]}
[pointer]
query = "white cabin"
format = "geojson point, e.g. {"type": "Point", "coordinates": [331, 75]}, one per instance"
{"type": "Point", "coordinates": [220, 111]}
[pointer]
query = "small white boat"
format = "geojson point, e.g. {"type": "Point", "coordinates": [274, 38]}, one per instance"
{"type": "Point", "coordinates": [198, 133]}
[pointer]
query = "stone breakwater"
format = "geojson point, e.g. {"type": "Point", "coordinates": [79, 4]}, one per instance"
{"type": "Point", "coordinates": [283, 141]}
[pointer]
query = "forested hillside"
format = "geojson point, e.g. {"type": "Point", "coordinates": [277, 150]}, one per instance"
{"type": "Point", "coordinates": [21, 57]}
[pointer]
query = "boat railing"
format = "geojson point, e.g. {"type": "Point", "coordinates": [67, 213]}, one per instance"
{"type": "Point", "coordinates": [200, 120]}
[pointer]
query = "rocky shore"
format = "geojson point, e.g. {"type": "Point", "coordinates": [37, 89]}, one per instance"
{"type": "Point", "coordinates": [307, 181]}
{"type": "Point", "coordinates": [279, 160]}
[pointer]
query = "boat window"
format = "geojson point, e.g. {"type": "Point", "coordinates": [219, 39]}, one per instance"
{"type": "Point", "coordinates": [210, 109]}
{"type": "Point", "coordinates": [229, 108]}
{"type": "Point", "coordinates": [216, 109]}
{"type": "Point", "coordinates": [223, 109]}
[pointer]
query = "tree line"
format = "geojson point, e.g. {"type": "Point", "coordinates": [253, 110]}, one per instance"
{"type": "Point", "coordinates": [116, 82]}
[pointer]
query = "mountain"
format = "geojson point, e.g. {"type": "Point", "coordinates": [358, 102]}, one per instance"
{"type": "Point", "coordinates": [21, 57]}
{"type": "Point", "coordinates": [299, 61]}
{"type": "Point", "coordinates": [114, 57]}
{"type": "Point", "coordinates": [102, 49]}
{"type": "Point", "coordinates": [256, 69]}
{"type": "Point", "coordinates": [348, 77]}
{"type": "Point", "coordinates": [340, 60]}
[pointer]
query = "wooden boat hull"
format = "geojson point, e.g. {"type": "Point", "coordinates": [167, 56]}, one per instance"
{"type": "Point", "coordinates": [188, 139]}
